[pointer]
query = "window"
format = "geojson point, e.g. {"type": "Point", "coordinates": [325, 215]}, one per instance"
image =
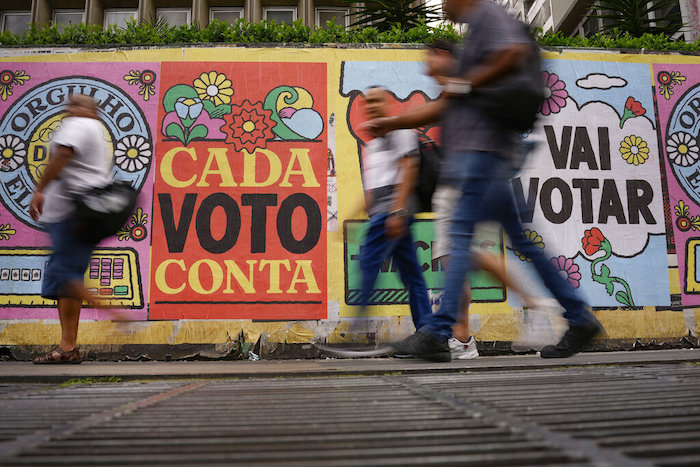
{"type": "Point", "coordinates": [225, 15]}
{"type": "Point", "coordinates": [336, 15]}
{"type": "Point", "coordinates": [68, 17]}
{"type": "Point", "coordinates": [175, 16]}
{"type": "Point", "coordinates": [118, 17]}
{"type": "Point", "coordinates": [280, 14]}
{"type": "Point", "coordinates": [15, 22]}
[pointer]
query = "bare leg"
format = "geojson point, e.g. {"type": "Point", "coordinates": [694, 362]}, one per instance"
{"type": "Point", "coordinates": [69, 314]}
{"type": "Point", "coordinates": [495, 266]}
{"type": "Point", "coordinates": [461, 330]}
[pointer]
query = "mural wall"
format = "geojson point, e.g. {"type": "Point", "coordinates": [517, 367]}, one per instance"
{"type": "Point", "coordinates": [248, 163]}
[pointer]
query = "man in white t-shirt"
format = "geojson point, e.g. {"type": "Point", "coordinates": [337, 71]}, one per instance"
{"type": "Point", "coordinates": [79, 161]}
{"type": "Point", "coordinates": [390, 170]}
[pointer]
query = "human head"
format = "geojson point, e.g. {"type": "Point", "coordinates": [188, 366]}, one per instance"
{"type": "Point", "coordinates": [376, 102]}
{"type": "Point", "coordinates": [454, 9]}
{"type": "Point", "coordinates": [80, 105]}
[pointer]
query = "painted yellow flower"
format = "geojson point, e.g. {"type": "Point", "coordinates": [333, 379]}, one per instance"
{"type": "Point", "coordinates": [535, 238]}
{"type": "Point", "coordinates": [634, 150]}
{"type": "Point", "coordinates": [214, 87]}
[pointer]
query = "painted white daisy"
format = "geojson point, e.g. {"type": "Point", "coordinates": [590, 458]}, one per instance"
{"type": "Point", "coordinates": [132, 153]}
{"type": "Point", "coordinates": [12, 152]}
{"type": "Point", "coordinates": [682, 149]}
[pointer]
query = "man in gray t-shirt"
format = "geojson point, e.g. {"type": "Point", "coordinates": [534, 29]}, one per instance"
{"type": "Point", "coordinates": [78, 161]}
{"type": "Point", "coordinates": [478, 149]}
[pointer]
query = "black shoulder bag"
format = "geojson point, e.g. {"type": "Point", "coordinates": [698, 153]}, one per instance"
{"type": "Point", "coordinates": [101, 212]}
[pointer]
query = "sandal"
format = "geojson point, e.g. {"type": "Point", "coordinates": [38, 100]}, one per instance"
{"type": "Point", "coordinates": [64, 356]}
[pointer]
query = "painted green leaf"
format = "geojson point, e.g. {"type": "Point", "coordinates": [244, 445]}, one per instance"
{"type": "Point", "coordinates": [604, 278]}
{"type": "Point", "coordinates": [623, 298]}
{"type": "Point", "coordinates": [176, 92]}
{"type": "Point", "coordinates": [198, 132]}
{"type": "Point", "coordinates": [216, 111]}
{"type": "Point", "coordinates": [175, 131]}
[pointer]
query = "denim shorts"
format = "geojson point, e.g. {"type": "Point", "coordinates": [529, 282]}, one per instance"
{"type": "Point", "coordinates": [68, 262]}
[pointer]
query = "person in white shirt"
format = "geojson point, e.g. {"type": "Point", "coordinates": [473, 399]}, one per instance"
{"type": "Point", "coordinates": [390, 170]}
{"type": "Point", "coordinates": [79, 160]}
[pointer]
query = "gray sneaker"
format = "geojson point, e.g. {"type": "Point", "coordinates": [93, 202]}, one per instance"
{"type": "Point", "coordinates": [425, 346]}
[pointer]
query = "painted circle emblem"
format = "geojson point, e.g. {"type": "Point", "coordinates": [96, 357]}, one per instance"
{"type": "Point", "coordinates": [681, 147]}
{"type": "Point", "coordinates": [28, 126]}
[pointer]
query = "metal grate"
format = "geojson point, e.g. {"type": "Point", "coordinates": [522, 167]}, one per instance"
{"type": "Point", "coordinates": [613, 416]}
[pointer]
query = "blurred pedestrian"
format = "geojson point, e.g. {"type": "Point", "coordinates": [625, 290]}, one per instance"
{"type": "Point", "coordinates": [390, 169]}
{"type": "Point", "coordinates": [441, 63]}
{"type": "Point", "coordinates": [479, 151]}
{"type": "Point", "coordinates": [79, 160]}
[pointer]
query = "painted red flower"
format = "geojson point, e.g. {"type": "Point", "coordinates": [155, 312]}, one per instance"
{"type": "Point", "coordinates": [633, 109]}
{"type": "Point", "coordinates": [592, 240]}
{"type": "Point", "coordinates": [249, 126]}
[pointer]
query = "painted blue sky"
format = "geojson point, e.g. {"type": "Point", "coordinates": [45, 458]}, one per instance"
{"type": "Point", "coordinates": [637, 78]}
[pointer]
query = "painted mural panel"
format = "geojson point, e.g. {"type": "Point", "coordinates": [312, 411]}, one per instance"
{"type": "Point", "coordinates": [678, 104]}
{"type": "Point", "coordinates": [590, 192]}
{"type": "Point", "coordinates": [408, 87]}
{"type": "Point", "coordinates": [240, 192]}
{"type": "Point", "coordinates": [32, 105]}
{"type": "Point", "coordinates": [242, 155]}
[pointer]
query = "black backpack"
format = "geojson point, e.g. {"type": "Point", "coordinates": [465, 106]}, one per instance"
{"type": "Point", "coordinates": [514, 100]}
{"type": "Point", "coordinates": [428, 173]}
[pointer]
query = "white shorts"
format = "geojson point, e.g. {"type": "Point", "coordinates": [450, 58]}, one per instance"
{"type": "Point", "coordinates": [445, 200]}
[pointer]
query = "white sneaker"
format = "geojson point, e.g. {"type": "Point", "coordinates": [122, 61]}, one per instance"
{"type": "Point", "coordinates": [537, 330]}
{"type": "Point", "coordinates": [462, 350]}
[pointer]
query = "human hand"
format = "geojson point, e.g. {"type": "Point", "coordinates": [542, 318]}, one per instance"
{"type": "Point", "coordinates": [395, 226]}
{"type": "Point", "coordinates": [377, 127]}
{"type": "Point", "coordinates": [36, 206]}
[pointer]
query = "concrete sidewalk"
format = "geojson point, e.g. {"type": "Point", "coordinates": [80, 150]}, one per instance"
{"type": "Point", "coordinates": [25, 372]}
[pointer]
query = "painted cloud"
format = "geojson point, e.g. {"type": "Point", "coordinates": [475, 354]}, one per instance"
{"type": "Point", "coordinates": [601, 81]}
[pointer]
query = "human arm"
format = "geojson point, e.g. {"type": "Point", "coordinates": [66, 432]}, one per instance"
{"type": "Point", "coordinates": [60, 156]}
{"type": "Point", "coordinates": [426, 114]}
{"type": "Point", "coordinates": [497, 65]}
{"type": "Point", "coordinates": [396, 224]}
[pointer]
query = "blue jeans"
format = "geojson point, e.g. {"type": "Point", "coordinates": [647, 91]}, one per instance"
{"type": "Point", "coordinates": [487, 195]}
{"type": "Point", "coordinates": [376, 249]}
{"type": "Point", "coordinates": [68, 261]}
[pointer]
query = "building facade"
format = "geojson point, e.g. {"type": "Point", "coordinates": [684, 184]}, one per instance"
{"type": "Point", "coordinates": [568, 16]}
{"type": "Point", "coordinates": [17, 15]}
